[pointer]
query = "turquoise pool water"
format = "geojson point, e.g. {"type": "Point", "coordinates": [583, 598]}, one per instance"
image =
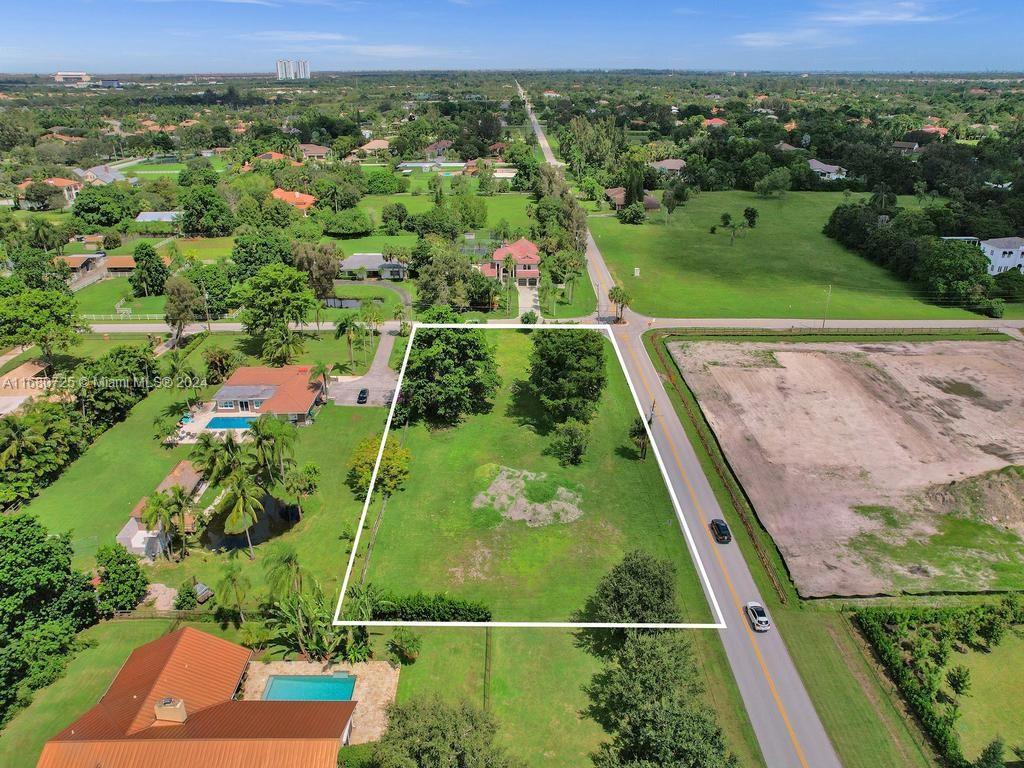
{"type": "Point", "coordinates": [336, 687]}
{"type": "Point", "coordinates": [230, 422]}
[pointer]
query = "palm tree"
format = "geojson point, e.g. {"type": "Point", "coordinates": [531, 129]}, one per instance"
{"type": "Point", "coordinates": [638, 435]}
{"type": "Point", "coordinates": [179, 501]}
{"type": "Point", "coordinates": [242, 503]}
{"type": "Point", "coordinates": [273, 444]}
{"type": "Point", "coordinates": [621, 299]}
{"type": "Point", "coordinates": [282, 569]}
{"type": "Point", "coordinates": [508, 266]}
{"type": "Point", "coordinates": [883, 199]}
{"type": "Point", "coordinates": [401, 314]}
{"type": "Point", "coordinates": [301, 483]}
{"type": "Point", "coordinates": [282, 345]}
{"type": "Point", "coordinates": [320, 370]}
{"type": "Point", "coordinates": [235, 584]}
{"type": "Point", "coordinates": [17, 438]}
{"type": "Point", "coordinates": [182, 374]}
{"type": "Point", "coordinates": [371, 314]}
{"type": "Point", "coordinates": [218, 458]}
{"type": "Point", "coordinates": [348, 327]}
{"type": "Point", "coordinates": [42, 234]}
{"type": "Point", "coordinates": [158, 512]}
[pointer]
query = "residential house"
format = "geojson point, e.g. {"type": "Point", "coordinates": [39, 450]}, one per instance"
{"type": "Point", "coordinates": [617, 197]}
{"type": "Point", "coordinates": [525, 267]}
{"type": "Point", "coordinates": [158, 216]}
{"type": "Point", "coordinates": [68, 187]}
{"type": "Point", "coordinates": [315, 151]}
{"type": "Point", "coordinates": [373, 265]}
{"type": "Point", "coordinates": [906, 147]}
{"type": "Point", "coordinates": [826, 172]}
{"type": "Point", "coordinates": [63, 138]}
{"type": "Point", "coordinates": [438, 149]}
{"type": "Point", "coordinates": [172, 704]}
{"type": "Point", "coordinates": [299, 200]}
{"type": "Point", "coordinates": [140, 539]}
{"type": "Point", "coordinates": [79, 264]}
{"type": "Point", "coordinates": [669, 165]}
{"type": "Point", "coordinates": [92, 242]}
{"type": "Point", "coordinates": [99, 175]}
{"type": "Point", "coordinates": [715, 122]}
{"type": "Point", "coordinates": [497, 148]}
{"type": "Point", "coordinates": [285, 392]}
{"type": "Point", "coordinates": [784, 146]}
{"type": "Point", "coordinates": [1004, 254]}
{"type": "Point", "coordinates": [375, 146]}
{"type": "Point", "coordinates": [124, 265]}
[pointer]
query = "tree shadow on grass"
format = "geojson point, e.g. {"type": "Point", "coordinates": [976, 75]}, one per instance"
{"type": "Point", "coordinates": [628, 452]}
{"type": "Point", "coordinates": [525, 408]}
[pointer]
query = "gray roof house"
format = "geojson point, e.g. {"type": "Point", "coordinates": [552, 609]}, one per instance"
{"type": "Point", "coordinates": [375, 266]}
{"type": "Point", "coordinates": [825, 171]}
{"type": "Point", "coordinates": [102, 174]}
{"type": "Point", "coordinates": [669, 165]}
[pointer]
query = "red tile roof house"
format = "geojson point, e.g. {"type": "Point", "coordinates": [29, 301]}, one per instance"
{"type": "Point", "coordinates": [69, 187]}
{"type": "Point", "coordinates": [299, 200]}
{"type": "Point", "coordinates": [285, 392]}
{"type": "Point", "coordinates": [315, 151]}
{"type": "Point", "coordinates": [525, 269]}
{"type": "Point", "coordinates": [172, 705]}
{"type": "Point", "coordinates": [438, 148]}
{"type": "Point", "coordinates": [715, 122]}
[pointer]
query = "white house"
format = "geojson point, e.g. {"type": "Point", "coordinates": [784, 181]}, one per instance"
{"type": "Point", "coordinates": [1004, 254]}
{"type": "Point", "coordinates": [827, 172]}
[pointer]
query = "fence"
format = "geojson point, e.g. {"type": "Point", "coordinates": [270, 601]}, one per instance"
{"type": "Point", "coordinates": [126, 316]}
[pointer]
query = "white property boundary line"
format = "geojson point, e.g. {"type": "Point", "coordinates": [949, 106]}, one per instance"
{"type": "Point", "coordinates": [606, 330]}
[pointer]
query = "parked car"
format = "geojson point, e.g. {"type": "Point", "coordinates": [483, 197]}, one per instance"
{"type": "Point", "coordinates": [721, 531]}
{"type": "Point", "coordinates": [364, 395]}
{"type": "Point", "coordinates": [758, 617]}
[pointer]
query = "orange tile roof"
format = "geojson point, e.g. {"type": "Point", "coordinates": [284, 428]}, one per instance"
{"type": "Point", "coordinates": [299, 200]}
{"type": "Point", "coordinates": [203, 671]}
{"type": "Point", "coordinates": [293, 391]}
{"type": "Point", "coordinates": [120, 262]}
{"type": "Point", "coordinates": [76, 261]}
{"type": "Point", "coordinates": [715, 122]}
{"type": "Point", "coordinates": [522, 250]}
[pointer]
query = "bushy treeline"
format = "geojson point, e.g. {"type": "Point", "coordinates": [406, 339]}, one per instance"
{"type": "Point", "coordinates": [429, 607]}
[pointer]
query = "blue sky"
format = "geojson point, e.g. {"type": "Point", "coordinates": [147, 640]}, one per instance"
{"type": "Point", "coordinates": [248, 35]}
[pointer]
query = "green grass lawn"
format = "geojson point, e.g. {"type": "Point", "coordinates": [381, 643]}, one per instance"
{"type": "Point", "coordinates": [208, 249]}
{"type": "Point", "coordinates": [388, 302]}
{"type": "Point", "coordinates": [583, 301]}
{"type": "Point", "coordinates": [126, 247]}
{"type": "Point", "coordinates": [993, 705]}
{"type": "Point", "coordinates": [370, 243]}
{"type": "Point", "coordinates": [90, 346]}
{"type": "Point", "coordinates": [101, 299]}
{"type": "Point", "coordinates": [781, 268]}
{"type": "Point", "coordinates": [87, 678]}
{"type": "Point", "coordinates": [151, 170]}
{"type": "Point", "coordinates": [432, 538]}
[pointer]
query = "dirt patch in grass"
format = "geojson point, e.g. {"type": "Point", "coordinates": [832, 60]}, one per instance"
{"type": "Point", "coordinates": [876, 467]}
{"type": "Point", "coordinates": [531, 497]}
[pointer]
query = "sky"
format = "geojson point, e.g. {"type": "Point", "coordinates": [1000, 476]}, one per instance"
{"type": "Point", "coordinates": [196, 36]}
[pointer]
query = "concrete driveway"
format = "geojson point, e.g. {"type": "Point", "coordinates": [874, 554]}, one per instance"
{"type": "Point", "coordinates": [380, 379]}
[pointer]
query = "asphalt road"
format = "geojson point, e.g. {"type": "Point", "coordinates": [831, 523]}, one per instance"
{"type": "Point", "coordinates": [785, 722]}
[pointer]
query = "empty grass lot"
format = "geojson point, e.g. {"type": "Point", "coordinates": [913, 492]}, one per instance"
{"type": "Point", "coordinates": [432, 538]}
{"type": "Point", "coordinates": [781, 268]}
{"type": "Point", "coordinates": [101, 298]}
{"type": "Point", "coordinates": [206, 249]}
{"type": "Point", "coordinates": [89, 346]}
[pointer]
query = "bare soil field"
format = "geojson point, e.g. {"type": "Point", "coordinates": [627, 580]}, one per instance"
{"type": "Point", "coordinates": [876, 467]}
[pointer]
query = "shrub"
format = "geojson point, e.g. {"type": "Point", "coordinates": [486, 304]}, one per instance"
{"type": "Point", "coordinates": [122, 582]}
{"type": "Point", "coordinates": [435, 607]}
{"type": "Point", "coordinates": [633, 213]}
{"type": "Point", "coordinates": [569, 442]}
{"type": "Point", "coordinates": [111, 240]}
{"type": "Point", "coordinates": [529, 318]}
{"type": "Point", "coordinates": [186, 599]}
{"type": "Point", "coordinates": [404, 645]}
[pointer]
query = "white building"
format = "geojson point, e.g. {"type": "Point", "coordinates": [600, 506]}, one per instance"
{"type": "Point", "coordinates": [292, 70]}
{"type": "Point", "coordinates": [71, 78]}
{"type": "Point", "coordinates": [1004, 254]}
{"type": "Point", "coordinates": [827, 172]}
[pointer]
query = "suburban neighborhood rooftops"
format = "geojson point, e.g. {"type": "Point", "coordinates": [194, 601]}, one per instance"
{"type": "Point", "coordinates": [284, 391]}
{"type": "Point", "coordinates": [617, 196]}
{"type": "Point", "coordinates": [77, 261]}
{"type": "Point", "coordinates": [784, 146]}
{"type": "Point", "coordinates": [715, 122]}
{"type": "Point", "coordinates": [371, 261]}
{"type": "Point", "coordinates": [439, 146]}
{"type": "Point", "coordinates": [167, 216]}
{"type": "Point", "coordinates": [314, 150]}
{"type": "Point", "coordinates": [120, 262]}
{"type": "Point", "coordinates": [375, 145]}
{"type": "Point", "coordinates": [101, 173]}
{"type": "Point", "coordinates": [127, 728]}
{"type": "Point", "coordinates": [54, 181]}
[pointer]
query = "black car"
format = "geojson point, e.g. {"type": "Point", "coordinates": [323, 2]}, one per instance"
{"type": "Point", "coordinates": [364, 395]}
{"type": "Point", "coordinates": [721, 531]}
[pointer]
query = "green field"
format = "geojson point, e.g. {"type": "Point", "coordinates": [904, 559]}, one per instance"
{"type": "Point", "coordinates": [126, 247]}
{"type": "Point", "coordinates": [853, 697]}
{"type": "Point", "coordinates": [433, 539]}
{"type": "Point", "coordinates": [509, 206]}
{"type": "Point", "coordinates": [90, 346]}
{"type": "Point", "coordinates": [101, 298]}
{"type": "Point", "coordinates": [993, 705]}
{"type": "Point", "coordinates": [781, 268]}
{"type": "Point", "coordinates": [151, 170]}
{"type": "Point", "coordinates": [583, 301]}
{"type": "Point", "coordinates": [207, 249]}
{"type": "Point", "coordinates": [128, 463]}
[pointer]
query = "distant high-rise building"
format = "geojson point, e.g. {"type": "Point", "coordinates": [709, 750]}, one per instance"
{"type": "Point", "coordinates": [292, 70]}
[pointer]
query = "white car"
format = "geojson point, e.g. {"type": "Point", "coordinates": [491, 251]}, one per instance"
{"type": "Point", "coordinates": [758, 617]}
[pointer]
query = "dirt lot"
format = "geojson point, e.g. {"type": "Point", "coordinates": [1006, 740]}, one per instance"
{"type": "Point", "coordinates": [868, 462]}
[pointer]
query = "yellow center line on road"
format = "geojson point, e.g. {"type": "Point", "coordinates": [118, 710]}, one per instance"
{"type": "Point", "coordinates": [718, 556]}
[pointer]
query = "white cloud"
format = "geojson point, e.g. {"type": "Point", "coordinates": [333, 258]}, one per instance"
{"type": "Point", "coordinates": [293, 36]}
{"type": "Point", "coordinates": [807, 38]}
{"type": "Point", "coordinates": [396, 51]}
{"type": "Point", "coordinates": [873, 13]}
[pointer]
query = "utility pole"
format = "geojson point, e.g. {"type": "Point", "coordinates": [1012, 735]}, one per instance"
{"type": "Point", "coordinates": [650, 416]}
{"type": "Point", "coordinates": [828, 299]}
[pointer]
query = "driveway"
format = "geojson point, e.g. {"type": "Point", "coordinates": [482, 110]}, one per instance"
{"type": "Point", "coordinates": [380, 379]}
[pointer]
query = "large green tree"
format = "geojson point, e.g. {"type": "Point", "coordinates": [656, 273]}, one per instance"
{"type": "Point", "coordinates": [259, 248]}
{"type": "Point", "coordinates": [46, 319]}
{"type": "Point", "coordinates": [275, 297]}
{"type": "Point", "coordinates": [150, 273]}
{"type": "Point", "coordinates": [568, 372]}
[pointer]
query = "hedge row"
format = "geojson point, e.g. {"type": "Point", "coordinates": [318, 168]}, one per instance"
{"type": "Point", "coordinates": [435, 607]}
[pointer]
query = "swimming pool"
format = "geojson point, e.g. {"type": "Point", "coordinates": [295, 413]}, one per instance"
{"type": "Point", "coordinates": [336, 687]}
{"type": "Point", "coordinates": [230, 422]}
